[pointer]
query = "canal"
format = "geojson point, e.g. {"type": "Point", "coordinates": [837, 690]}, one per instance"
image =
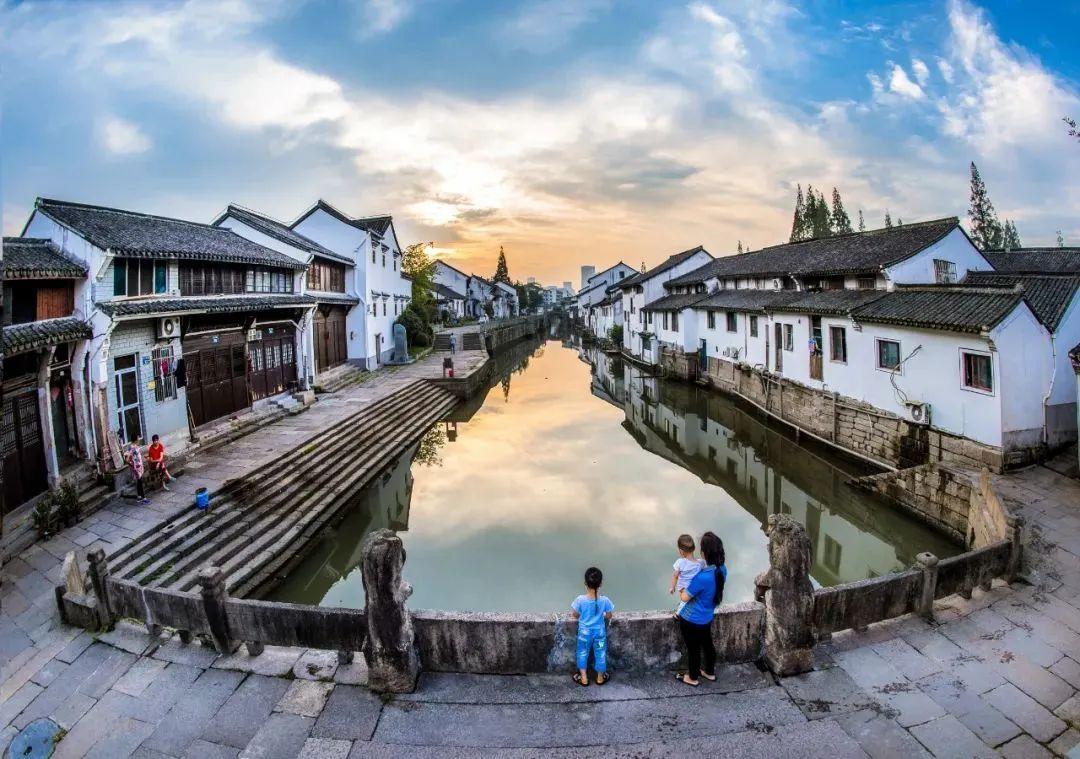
{"type": "Point", "coordinates": [574, 459]}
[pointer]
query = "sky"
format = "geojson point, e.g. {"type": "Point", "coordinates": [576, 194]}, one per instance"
{"type": "Point", "coordinates": [569, 132]}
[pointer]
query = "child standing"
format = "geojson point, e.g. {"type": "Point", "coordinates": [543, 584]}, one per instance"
{"type": "Point", "coordinates": [156, 454]}
{"type": "Point", "coordinates": [134, 458]}
{"type": "Point", "coordinates": [685, 567]}
{"type": "Point", "coordinates": [592, 611]}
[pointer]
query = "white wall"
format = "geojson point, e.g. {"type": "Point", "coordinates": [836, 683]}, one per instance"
{"type": "Point", "coordinates": [718, 339]}
{"type": "Point", "coordinates": [653, 288]}
{"type": "Point", "coordinates": [955, 247]}
{"type": "Point", "coordinates": [1024, 364]}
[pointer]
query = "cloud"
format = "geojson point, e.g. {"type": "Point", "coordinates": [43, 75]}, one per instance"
{"type": "Point", "coordinates": [544, 26]}
{"type": "Point", "coordinates": [921, 71]}
{"type": "Point", "coordinates": [382, 16]}
{"type": "Point", "coordinates": [901, 84]}
{"type": "Point", "coordinates": [121, 137]}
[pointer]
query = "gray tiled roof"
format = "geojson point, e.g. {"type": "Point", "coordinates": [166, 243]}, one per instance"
{"type": "Point", "coordinates": [1048, 296]}
{"type": "Point", "coordinates": [376, 225]}
{"type": "Point", "coordinates": [826, 301]}
{"type": "Point", "coordinates": [447, 292]}
{"type": "Point", "coordinates": [748, 300]}
{"type": "Point", "coordinates": [328, 297]}
{"type": "Point", "coordinates": [1035, 260]}
{"type": "Point", "coordinates": [36, 258]}
{"type": "Point", "coordinates": [956, 308]}
{"type": "Point", "coordinates": [855, 253]}
{"type": "Point", "coordinates": [204, 304]}
{"type": "Point", "coordinates": [132, 234]}
{"type": "Point", "coordinates": [280, 232]}
{"type": "Point", "coordinates": [675, 302]}
{"type": "Point", "coordinates": [668, 263]}
{"type": "Point", "coordinates": [20, 338]}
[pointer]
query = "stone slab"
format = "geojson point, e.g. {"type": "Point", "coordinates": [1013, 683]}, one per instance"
{"type": "Point", "coordinates": [827, 693]}
{"type": "Point", "coordinates": [325, 748]}
{"type": "Point", "coordinates": [189, 717]}
{"type": "Point", "coordinates": [139, 676]}
{"type": "Point", "coordinates": [880, 737]}
{"type": "Point", "coordinates": [947, 737]}
{"type": "Point", "coordinates": [282, 736]}
{"type": "Point", "coordinates": [249, 706]}
{"type": "Point", "coordinates": [122, 740]}
{"type": "Point", "coordinates": [579, 724]}
{"type": "Point", "coordinates": [1066, 742]}
{"type": "Point", "coordinates": [316, 665]}
{"type": "Point", "coordinates": [201, 749]}
{"type": "Point", "coordinates": [305, 698]}
{"type": "Point", "coordinates": [1030, 715]}
{"type": "Point", "coordinates": [192, 654]}
{"type": "Point", "coordinates": [274, 661]}
{"type": "Point", "coordinates": [1024, 748]}
{"type": "Point", "coordinates": [351, 713]}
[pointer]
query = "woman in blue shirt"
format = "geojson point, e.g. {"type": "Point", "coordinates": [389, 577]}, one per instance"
{"type": "Point", "coordinates": [701, 598]}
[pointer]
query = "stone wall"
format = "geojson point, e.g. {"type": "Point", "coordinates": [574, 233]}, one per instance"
{"type": "Point", "coordinates": [934, 493]}
{"type": "Point", "coordinates": [847, 423]}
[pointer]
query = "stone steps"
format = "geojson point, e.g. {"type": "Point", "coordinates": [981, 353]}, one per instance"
{"type": "Point", "coordinates": [255, 521]}
{"type": "Point", "coordinates": [470, 341]}
{"type": "Point", "coordinates": [197, 524]}
{"type": "Point", "coordinates": [442, 341]}
{"type": "Point", "coordinates": [339, 378]}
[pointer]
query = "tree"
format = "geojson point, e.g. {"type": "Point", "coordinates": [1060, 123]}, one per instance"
{"type": "Point", "coordinates": [1074, 130]}
{"type": "Point", "coordinates": [841, 223]}
{"type": "Point", "coordinates": [502, 273]}
{"type": "Point", "coordinates": [420, 312]}
{"type": "Point", "coordinates": [862, 222]}
{"type": "Point", "coordinates": [739, 249]}
{"type": "Point", "coordinates": [1060, 239]}
{"type": "Point", "coordinates": [888, 219]}
{"type": "Point", "coordinates": [986, 230]}
{"type": "Point", "coordinates": [1010, 238]}
{"type": "Point", "coordinates": [798, 222]}
{"type": "Point", "coordinates": [819, 217]}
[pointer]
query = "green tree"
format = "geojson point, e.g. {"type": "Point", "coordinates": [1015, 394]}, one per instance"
{"type": "Point", "coordinates": [1010, 238]}
{"type": "Point", "coordinates": [740, 248]}
{"type": "Point", "coordinates": [502, 273]}
{"type": "Point", "coordinates": [986, 230]}
{"type": "Point", "coordinates": [798, 222]}
{"type": "Point", "coordinates": [888, 219]}
{"type": "Point", "coordinates": [841, 223]}
{"type": "Point", "coordinates": [1060, 239]}
{"type": "Point", "coordinates": [1074, 130]}
{"type": "Point", "coordinates": [819, 216]}
{"type": "Point", "coordinates": [420, 312]}
{"type": "Point", "coordinates": [862, 222]}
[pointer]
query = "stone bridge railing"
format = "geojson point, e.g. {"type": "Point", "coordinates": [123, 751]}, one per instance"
{"type": "Point", "coordinates": [780, 626]}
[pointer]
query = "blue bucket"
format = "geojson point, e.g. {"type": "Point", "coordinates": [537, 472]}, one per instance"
{"type": "Point", "coordinates": [202, 498]}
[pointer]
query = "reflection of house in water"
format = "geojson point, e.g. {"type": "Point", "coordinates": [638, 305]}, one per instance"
{"type": "Point", "coordinates": [852, 536]}
{"type": "Point", "coordinates": [607, 378]}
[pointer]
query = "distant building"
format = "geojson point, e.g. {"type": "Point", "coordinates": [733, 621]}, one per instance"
{"type": "Point", "coordinates": [587, 273]}
{"type": "Point", "coordinates": [532, 280]}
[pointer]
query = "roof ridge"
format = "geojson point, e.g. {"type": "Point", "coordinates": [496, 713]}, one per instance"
{"type": "Point", "coordinates": [846, 235]}
{"type": "Point", "coordinates": [45, 202]}
{"type": "Point", "coordinates": [19, 240]}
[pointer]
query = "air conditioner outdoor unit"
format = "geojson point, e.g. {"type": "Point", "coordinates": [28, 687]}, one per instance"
{"type": "Point", "coordinates": [919, 413]}
{"type": "Point", "coordinates": [168, 327]}
{"type": "Point", "coordinates": [777, 284]}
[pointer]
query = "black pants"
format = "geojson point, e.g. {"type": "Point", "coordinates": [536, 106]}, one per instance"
{"type": "Point", "coordinates": [140, 486]}
{"type": "Point", "coordinates": [698, 639]}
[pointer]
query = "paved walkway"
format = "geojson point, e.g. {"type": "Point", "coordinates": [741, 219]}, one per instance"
{"type": "Point", "coordinates": [994, 675]}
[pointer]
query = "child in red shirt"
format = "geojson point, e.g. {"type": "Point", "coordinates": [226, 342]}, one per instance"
{"type": "Point", "coordinates": [156, 454]}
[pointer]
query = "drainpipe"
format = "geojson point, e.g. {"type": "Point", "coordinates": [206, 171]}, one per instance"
{"type": "Point", "coordinates": [1049, 391]}
{"type": "Point", "coordinates": [101, 435]}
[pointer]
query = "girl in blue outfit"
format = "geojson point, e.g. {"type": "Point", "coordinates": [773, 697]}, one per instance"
{"type": "Point", "coordinates": [592, 611]}
{"type": "Point", "coordinates": [701, 597]}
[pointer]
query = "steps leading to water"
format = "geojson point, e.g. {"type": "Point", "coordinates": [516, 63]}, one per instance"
{"type": "Point", "coordinates": [257, 524]}
{"type": "Point", "coordinates": [339, 378]}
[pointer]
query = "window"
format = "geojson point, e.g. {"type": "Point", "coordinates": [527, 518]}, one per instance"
{"type": "Point", "coordinates": [126, 379]}
{"type": "Point", "coordinates": [384, 308]}
{"type": "Point", "coordinates": [384, 260]}
{"type": "Point", "coordinates": [789, 337]}
{"type": "Point", "coordinates": [838, 344]}
{"type": "Point", "coordinates": [372, 254]}
{"type": "Point", "coordinates": [374, 309]}
{"type": "Point", "coordinates": [326, 276]}
{"type": "Point", "coordinates": [268, 281]}
{"type": "Point", "coordinates": [977, 371]}
{"type": "Point", "coordinates": [711, 315]}
{"type": "Point", "coordinates": [136, 276]}
{"type": "Point", "coordinates": [649, 319]}
{"type": "Point", "coordinates": [665, 320]}
{"type": "Point", "coordinates": [888, 355]}
{"type": "Point", "coordinates": [866, 283]}
{"type": "Point", "coordinates": [675, 321]}
{"type": "Point", "coordinates": [831, 555]}
{"type": "Point", "coordinates": [944, 272]}
{"type": "Point", "coordinates": [732, 321]}
{"type": "Point", "coordinates": [164, 361]}
{"type": "Point", "coordinates": [753, 326]}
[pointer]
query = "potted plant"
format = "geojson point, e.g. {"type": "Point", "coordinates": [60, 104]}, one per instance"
{"type": "Point", "coordinates": [67, 503]}
{"type": "Point", "coordinates": [43, 516]}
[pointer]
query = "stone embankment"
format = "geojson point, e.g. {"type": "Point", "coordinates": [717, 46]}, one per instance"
{"type": "Point", "coordinates": [257, 525]}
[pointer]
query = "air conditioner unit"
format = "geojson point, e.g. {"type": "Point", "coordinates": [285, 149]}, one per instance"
{"type": "Point", "coordinates": [777, 284]}
{"type": "Point", "coordinates": [919, 413]}
{"type": "Point", "coordinates": [168, 327]}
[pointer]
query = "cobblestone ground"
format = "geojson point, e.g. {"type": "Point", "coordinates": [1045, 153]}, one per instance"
{"type": "Point", "coordinates": [994, 675]}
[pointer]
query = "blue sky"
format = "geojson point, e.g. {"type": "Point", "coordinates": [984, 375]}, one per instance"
{"type": "Point", "coordinates": [568, 131]}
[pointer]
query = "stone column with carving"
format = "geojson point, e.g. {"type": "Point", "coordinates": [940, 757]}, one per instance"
{"type": "Point", "coordinates": [212, 589]}
{"type": "Point", "coordinates": [390, 648]}
{"type": "Point", "coordinates": [788, 596]}
{"type": "Point", "coordinates": [99, 573]}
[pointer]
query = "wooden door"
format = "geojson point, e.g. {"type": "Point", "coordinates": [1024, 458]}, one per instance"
{"type": "Point", "coordinates": [779, 347]}
{"type": "Point", "coordinates": [217, 381]}
{"type": "Point", "coordinates": [322, 342]}
{"type": "Point", "coordinates": [257, 363]}
{"type": "Point", "coordinates": [816, 349]}
{"type": "Point", "coordinates": [23, 448]}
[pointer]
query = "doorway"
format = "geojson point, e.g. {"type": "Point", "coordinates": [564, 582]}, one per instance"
{"type": "Point", "coordinates": [128, 411]}
{"type": "Point", "coordinates": [779, 347]}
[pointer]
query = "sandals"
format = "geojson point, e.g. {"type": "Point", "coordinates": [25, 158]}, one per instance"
{"type": "Point", "coordinates": [583, 682]}
{"type": "Point", "coordinates": [682, 679]}
{"type": "Point", "coordinates": [602, 678]}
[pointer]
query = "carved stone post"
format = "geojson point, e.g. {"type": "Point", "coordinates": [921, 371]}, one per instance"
{"type": "Point", "coordinates": [390, 648]}
{"type": "Point", "coordinates": [99, 572]}
{"type": "Point", "coordinates": [788, 596]}
{"type": "Point", "coordinates": [928, 563]}
{"type": "Point", "coordinates": [1015, 533]}
{"type": "Point", "coordinates": [212, 582]}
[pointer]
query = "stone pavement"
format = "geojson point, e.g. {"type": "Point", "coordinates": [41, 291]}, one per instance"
{"type": "Point", "coordinates": [994, 675]}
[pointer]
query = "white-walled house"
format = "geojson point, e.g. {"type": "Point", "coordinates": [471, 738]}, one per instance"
{"type": "Point", "coordinates": [506, 300]}
{"type": "Point", "coordinates": [190, 321]}
{"type": "Point", "coordinates": [457, 283]}
{"type": "Point", "coordinates": [645, 287]}
{"type": "Point", "coordinates": [330, 279]}
{"type": "Point", "coordinates": [449, 303]}
{"type": "Point", "coordinates": [378, 283]}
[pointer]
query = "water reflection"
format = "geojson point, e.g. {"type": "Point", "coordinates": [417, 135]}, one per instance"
{"type": "Point", "coordinates": [588, 461]}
